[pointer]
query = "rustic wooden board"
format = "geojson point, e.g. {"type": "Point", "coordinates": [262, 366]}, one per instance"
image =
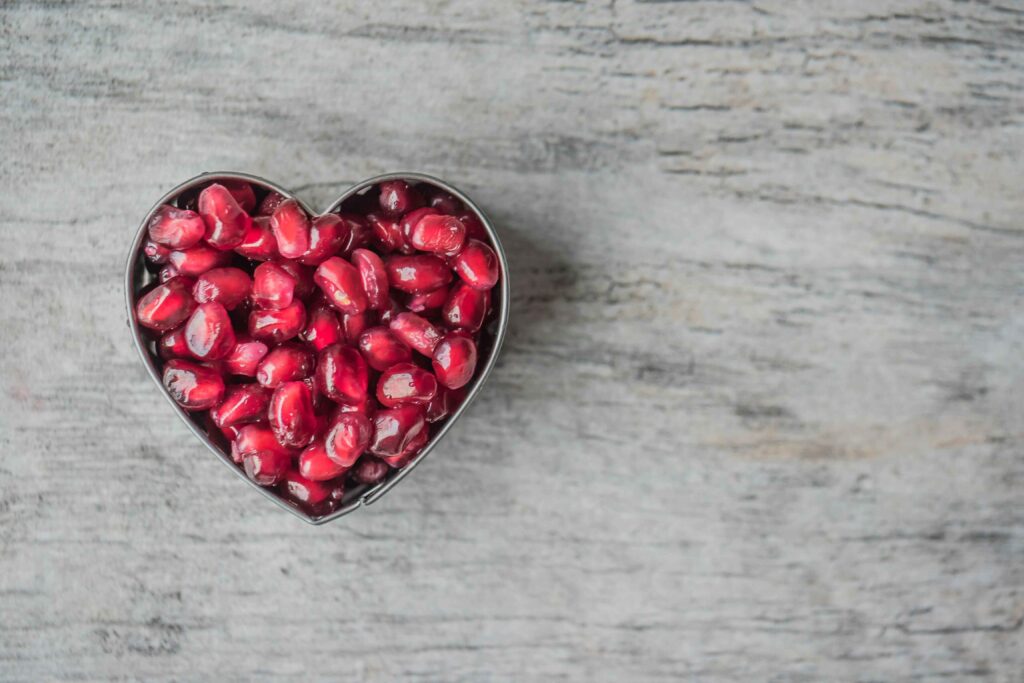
{"type": "Point", "coordinates": [760, 412]}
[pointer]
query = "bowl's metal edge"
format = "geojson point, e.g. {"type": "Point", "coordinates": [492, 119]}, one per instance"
{"type": "Point", "coordinates": [375, 493]}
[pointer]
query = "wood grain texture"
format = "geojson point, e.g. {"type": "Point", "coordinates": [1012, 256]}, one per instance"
{"type": "Point", "coordinates": [759, 417]}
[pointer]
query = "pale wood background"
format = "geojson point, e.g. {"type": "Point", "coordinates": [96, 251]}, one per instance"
{"type": "Point", "coordinates": [759, 417]}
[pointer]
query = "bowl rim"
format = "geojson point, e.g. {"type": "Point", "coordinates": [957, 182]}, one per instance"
{"type": "Point", "coordinates": [132, 274]}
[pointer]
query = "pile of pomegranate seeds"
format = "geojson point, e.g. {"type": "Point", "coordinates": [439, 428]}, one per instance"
{"type": "Point", "coordinates": [327, 350]}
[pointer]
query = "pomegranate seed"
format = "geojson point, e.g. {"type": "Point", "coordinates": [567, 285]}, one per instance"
{"type": "Point", "coordinates": [286, 363]}
{"type": "Point", "coordinates": [280, 325]}
{"type": "Point", "coordinates": [365, 407]}
{"type": "Point", "coordinates": [193, 386]}
{"type": "Point", "coordinates": [444, 403]}
{"type": "Point", "coordinates": [257, 438]}
{"type": "Point", "coordinates": [416, 331]}
{"type": "Point", "coordinates": [439, 234]}
{"type": "Point", "coordinates": [341, 374]}
{"type": "Point", "coordinates": [166, 305]}
{"type": "Point", "coordinates": [397, 197]}
{"type": "Point", "coordinates": [226, 286]}
{"type": "Point", "coordinates": [406, 384]}
{"type": "Point", "coordinates": [414, 446]}
{"type": "Point", "coordinates": [410, 220]}
{"type": "Point", "coordinates": [394, 428]}
{"type": "Point", "coordinates": [373, 276]}
{"type": "Point", "coordinates": [327, 235]}
{"type": "Point", "coordinates": [348, 438]}
{"type": "Point", "coordinates": [354, 325]}
{"type": "Point", "coordinates": [417, 303]}
{"type": "Point", "coordinates": [454, 360]}
{"type": "Point", "coordinates": [291, 414]}
{"type": "Point", "coordinates": [167, 273]}
{"type": "Point", "coordinates": [316, 466]}
{"type": "Point", "coordinates": [176, 228]}
{"type": "Point", "coordinates": [391, 312]}
{"type": "Point", "coordinates": [290, 225]}
{"type": "Point", "coordinates": [477, 265]}
{"type": "Point", "coordinates": [387, 234]}
{"type": "Point", "coordinates": [382, 348]}
{"type": "Point", "coordinates": [444, 202]}
{"type": "Point", "coordinates": [208, 333]}
{"type": "Point", "coordinates": [272, 286]}
{"type": "Point", "coordinates": [242, 192]}
{"type": "Point", "coordinates": [359, 233]}
{"type": "Point", "coordinates": [342, 284]}
{"type": "Point", "coordinates": [245, 358]}
{"type": "Point", "coordinates": [226, 222]}
{"type": "Point", "coordinates": [474, 227]}
{"type": "Point", "coordinates": [466, 307]}
{"type": "Point", "coordinates": [316, 498]}
{"type": "Point", "coordinates": [230, 433]}
{"type": "Point", "coordinates": [156, 253]}
{"type": "Point", "coordinates": [304, 285]}
{"type": "Point", "coordinates": [323, 328]}
{"type": "Point", "coordinates": [172, 344]}
{"type": "Point", "coordinates": [369, 470]}
{"type": "Point", "coordinates": [199, 259]}
{"type": "Point", "coordinates": [266, 468]}
{"type": "Point", "coordinates": [417, 274]}
{"type": "Point", "coordinates": [242, 404]}
{"type": "Point", "coordinates": [270, 203]}
{"type": "Point", "coordinates": [259, 243]}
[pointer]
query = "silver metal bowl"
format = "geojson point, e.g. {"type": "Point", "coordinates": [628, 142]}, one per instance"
{"type": "Point", "coordinates": [137, 277]}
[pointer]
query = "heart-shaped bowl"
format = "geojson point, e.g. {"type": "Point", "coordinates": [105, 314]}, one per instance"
{"type": "Point", "coordinates": [138, 277]}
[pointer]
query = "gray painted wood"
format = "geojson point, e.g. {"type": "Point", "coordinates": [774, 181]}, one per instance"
{"type": "Point", "coordinates": [759, 416]}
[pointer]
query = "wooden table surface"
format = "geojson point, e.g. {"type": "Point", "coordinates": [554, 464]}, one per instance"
{"type": "Point", "coordinates": [760, 416]}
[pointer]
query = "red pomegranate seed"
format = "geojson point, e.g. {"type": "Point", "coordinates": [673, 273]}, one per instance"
{"type": "Point", "coordinates": [373, 277]}
{"type": "Point", "coordinates": [242, 404]}
{"type": "Point", "coordinates": [406, 384]}
{"type": "Point", "coordinates": [417, 274]}
{"type": "Point", "coordinates": [226, 286]}
{"type": "Point", "coordinates": [327, 235]}
{"type": "Point", "coordinates": [477, 265]}
{"type": "Point", "coordinates": [323, 328]}
{"type": "Point", "coordinates": [444, 202]}
{"type": "Point", "coordinates": [365, 407]}
{"type": "Point", "coordinates": [349, 435]}
{"type": "Point", "coordinates": [382, 348]}
{"type": "Point", "coordinates": [359, 233]}
{"type": "Point", "coordinates": [398, 197]}
{"type": "Point", "coordinates": [172, 344]}
{"type": "Point", "coordinates": [272, 286]}
{"type": "Point", "coordinates": [259, 243]}
{"type": "Point", "coordinates": [286, 363]}
{"type": "Point", "coordinates": [353, 325]}
{"type": "Point", "coordinates": [230, 433]}
{"type": "Point", "coordinates": [280, 325]}
{"type": "Point", "coordinates": [386, 234]}
{"type": "Point", "coordinates": [416, 331]}
{"type": "Point", "coordinates": [304, 285]}
{"type": "Point", "coordinates": [342, 284]}
{"type": "Point", "coordinates": [391, 312]}
{"type": "Point", "coordinates": [474, 227]}
{"type": "Point", "coordinates": [316, 466]}
{"type": "Point", "coordinates": [291, 414]}
{"type": "Point", "coordinates": [438, 234]}
{"type": "Point", "coordinates": [245, 358]}
{"type": "Point", "coordinates": [316, 498]}
{"type": "Point", "coordinates": [466, 307]}
{"type": "Point", "coordinates": [176, 228]}
{"type": "Point", "coordinates": [193, 386]}
{"type": "Point", "coordinates": [395, 428]}
{"type": "Point", "coordinates": [290, 225]}
{"type": "Point", "coordinates": [257, 438]}
{"type": "Point", "coordinates": [156, 253]}
{"type": "Point", "coordinates": [410, 220]}
{"type": "Point", "coordinates": [417, 303]}
{"type": "Point", "coordinates": [199, 259]}
{"type": "Point", "coordinates": [369, 470]}
{"type": "Point", "coordinates": [167, 305]}
{"type": "Point", "coordinates": [444, 403]}
{"type": "Point", "coordinates": [270, 203]}
{"type": "Point", "coordinates": [208, 333]}
{"type": "Point", "coordinates": [167, 273]}
{"type": "Point", "coordinates": [226, 222]}
{"type": "Point", "coordinates": [242, 192]}
{"type": "Point", "coordinates": [414, 446]}
{"type": "Point", "coordinates": [266, 468]}
{"type": "Point", "coordinates": [454, 360]}
{"type": "Point", "coordinates": [341, 374]}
